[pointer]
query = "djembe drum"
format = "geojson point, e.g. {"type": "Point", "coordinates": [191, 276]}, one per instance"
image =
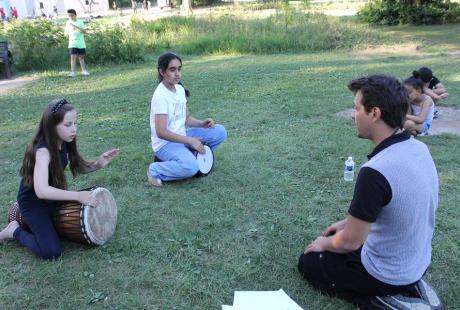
{"type": "Point", "coordinates": [205, 161]}
{"type": "Point", "coordinates": [82, 223]}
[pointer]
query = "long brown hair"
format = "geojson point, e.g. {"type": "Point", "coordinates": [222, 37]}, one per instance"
{"type": "Point", "coordinates": [46, 135]}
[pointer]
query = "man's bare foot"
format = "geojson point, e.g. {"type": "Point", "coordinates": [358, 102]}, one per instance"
{"type": "Point", "coordinates": [7, 233]}
{"type": "Point", "coordinates": [155, 182]}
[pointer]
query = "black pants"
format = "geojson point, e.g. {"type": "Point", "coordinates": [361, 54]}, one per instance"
{"type": "Point", "coordinates": [344, 276]}
{"type": "Point", "coordinates": [44, 240]}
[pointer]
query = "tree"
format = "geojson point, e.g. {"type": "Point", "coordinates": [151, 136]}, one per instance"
{"type": "Point", "coordinates": [393, 12]}
{"type": "Point", "coordinates": [186, 7]}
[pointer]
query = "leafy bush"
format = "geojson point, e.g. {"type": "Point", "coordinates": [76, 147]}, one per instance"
{"type": "Point", "coordinates": [41, 44]}
{"type": "Point", "coordinates": [36, 44]}
{"type": "Point", "coordinates": [393, 12]}
{"type": "Point", "coordinates": [112, 44]}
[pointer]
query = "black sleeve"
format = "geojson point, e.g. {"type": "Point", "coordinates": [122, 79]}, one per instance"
{"type": "Point", "coordinates": [434, 81]}
{"type": "Point", "coordinates": [372, 193]}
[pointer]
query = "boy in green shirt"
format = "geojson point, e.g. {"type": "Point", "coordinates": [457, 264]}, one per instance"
{"type": "Point", "coordinates": [75, 29]}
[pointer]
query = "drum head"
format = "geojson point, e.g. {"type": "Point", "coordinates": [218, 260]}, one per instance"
{"type": "Point", "coordinates": [100, 222]}
{"type": "Point", "coordinates": [205, 161]}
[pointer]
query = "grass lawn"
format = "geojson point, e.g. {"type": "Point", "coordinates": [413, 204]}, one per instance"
{"type": "Point", "coordinates": [277, 182]}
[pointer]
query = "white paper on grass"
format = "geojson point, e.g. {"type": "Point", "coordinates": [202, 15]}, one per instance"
{"type": "Point", "coordinates": [263, 300]}
{"type": "Point", "coordinates": [226, 307]}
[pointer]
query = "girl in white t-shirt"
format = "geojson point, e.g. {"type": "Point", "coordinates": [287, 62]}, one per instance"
{"type": "Point", "coordinates": [174, 131]}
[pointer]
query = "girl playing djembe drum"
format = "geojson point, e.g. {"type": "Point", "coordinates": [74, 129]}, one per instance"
{"type": "Point", "coordinates": [43, 180]}
{"type": "Point", "coordinates": [169, 117]}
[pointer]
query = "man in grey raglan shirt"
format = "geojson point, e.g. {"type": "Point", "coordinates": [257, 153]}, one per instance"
{"type": "Point", "coordinates": [377, 255]}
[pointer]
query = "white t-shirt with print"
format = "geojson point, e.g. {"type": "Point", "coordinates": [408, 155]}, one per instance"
{"type": "Point", "coordinates": [174, 106]}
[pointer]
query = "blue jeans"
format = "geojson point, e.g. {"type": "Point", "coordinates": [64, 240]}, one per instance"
{"type": "Point", "coordinates": [177, 161]}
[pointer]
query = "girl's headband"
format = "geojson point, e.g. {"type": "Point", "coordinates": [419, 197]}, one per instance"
{"type": "Point", "coordinates": [59, 105]}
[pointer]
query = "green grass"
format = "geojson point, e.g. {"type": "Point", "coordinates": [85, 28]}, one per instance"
{"type": "Point", "coordinates": [277, 182]}
{"type": "Point", "coordinates": [438, 38]}
{"type": "Point", "coordinates": [285, 30]}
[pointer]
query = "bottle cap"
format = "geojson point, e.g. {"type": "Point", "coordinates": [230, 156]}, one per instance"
{"type": "Point", "coordinates": [350, 158]}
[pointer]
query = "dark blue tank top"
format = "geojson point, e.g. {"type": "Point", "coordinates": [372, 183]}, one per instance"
{"type": "Point", "coordinates": [27, 194]}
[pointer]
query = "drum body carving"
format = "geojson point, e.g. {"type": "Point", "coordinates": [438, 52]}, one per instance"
{"type": "Point", "coordinates": [14, 214]}
{"type": "Point", "coordinates": [86, 224]}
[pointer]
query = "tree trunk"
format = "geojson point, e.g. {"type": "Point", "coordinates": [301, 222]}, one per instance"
{"type": "Point", "coordinates": [186, 7]}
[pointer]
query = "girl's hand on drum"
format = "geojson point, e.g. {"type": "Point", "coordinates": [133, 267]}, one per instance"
{"type": "Point", "coordinates": [107, 157]}
{"type": "Point", "coordinates": [197, 145]}
{"type": "Point", "coordinates": [208, 123]}
{"type": "Point", "coordinates": [87, 199]}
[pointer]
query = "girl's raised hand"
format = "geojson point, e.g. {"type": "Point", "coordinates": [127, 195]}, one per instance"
{"type": "Point", "coordinates": [107, 157]}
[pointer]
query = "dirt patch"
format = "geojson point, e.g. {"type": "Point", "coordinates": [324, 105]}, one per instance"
{"type": "Point", "coordinates": [448, 121]}
{"type": "Point", "coordinates": [17, 82]}
{"type": "Point", "coordinates": [364, 54]}
{"type": "Point", "coordinates": [455, 53]}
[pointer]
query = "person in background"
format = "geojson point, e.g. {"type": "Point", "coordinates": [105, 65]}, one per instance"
{"type": "Point", "coordinates": [2, 14]}
{"type": "Point", "coordinates": [421, 110]}
{"type": "Point", "coordinates": [75, 30]}
{"type": "Point", "coordinates": [14, 12]}
{"type": "Point", "coordinates": [432, 86]}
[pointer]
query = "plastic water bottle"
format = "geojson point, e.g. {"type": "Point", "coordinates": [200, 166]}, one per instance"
{"type": "Point", "coordinates": [349, 171]}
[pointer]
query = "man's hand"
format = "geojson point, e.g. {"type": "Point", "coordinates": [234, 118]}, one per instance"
{"type": "Point", "coordinates": [319, 245]}
{"type": "Point", "coordinates": [331, 230]}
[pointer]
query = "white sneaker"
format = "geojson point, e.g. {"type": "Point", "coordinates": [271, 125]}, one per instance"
{"type": "Point", "coordinates": [428, 294]}
{"type": "Point", "coordinates": [71, 74]}
{"type": "Point", "coordinates": [85, 72]}
{"type": "Point", "coordinates": [399, 302]}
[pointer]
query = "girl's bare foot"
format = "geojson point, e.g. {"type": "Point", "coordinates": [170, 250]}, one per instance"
{"type": "Point", "coordinates": [7, 233]}
{"type": "Point", "coordinates": [155, 182]}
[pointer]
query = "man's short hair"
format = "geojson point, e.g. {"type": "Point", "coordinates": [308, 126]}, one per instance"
{"type": "Point", "coordinates": [71, 11]}
{"type": "Point", "coordinates": [386, 93]}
